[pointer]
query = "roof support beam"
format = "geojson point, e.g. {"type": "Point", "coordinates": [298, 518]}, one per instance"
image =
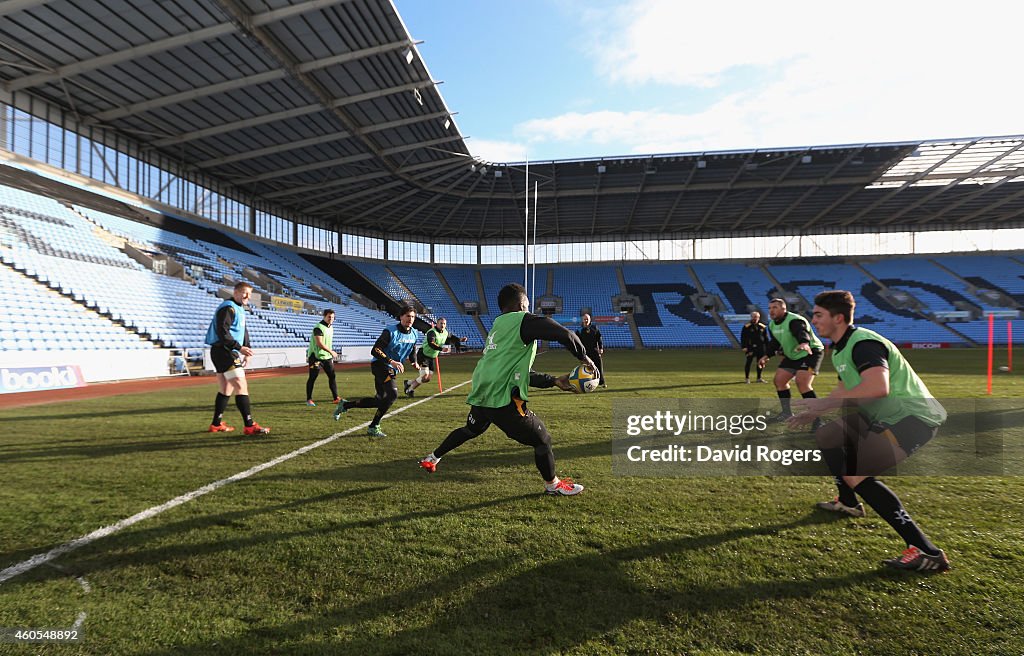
{"type": "Point", "coordinates": [679, 197]}
{"type": "Point", "coordinates": [240, 83]}
{"type": "Point", "coordinates": [161, 45]}
{"type": "Point", "coordinates": [348, 198]}
{"type": "Point", "coordinates": [421, 144]}
{"type": "Point", "coordinates": [272, 150]}
{"type": "Point", "coordinates": [379, 127]}
{"type": "Point", "coordinates": [11, 6]}
{"type": "Point", "coordinates": [451, 165]}
{"type": "Point", "coordinates": [854, 189]}
{"type": "Point", "coordinates": [304, 168]}
{"type": "Point", "coordinates": [305, 190]}
{"type": "Point", "coordinates": [312, 192]}
{"type": "Point", "coordinates": [967, 176]}
{"type": "Point", "coordinates": [993, 206]}
{"type": "Point", "coordinates": [767, 192]}
{"type": "Point", "coordinates": [725, 192]}
{"type": "Point", "coordinates": [909, 181]}
{"type": "Point", "coordinates": [287, 114]}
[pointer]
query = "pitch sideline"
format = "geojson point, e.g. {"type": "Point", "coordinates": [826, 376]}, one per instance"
{"type": "Point", "coordinates": [40, 559]}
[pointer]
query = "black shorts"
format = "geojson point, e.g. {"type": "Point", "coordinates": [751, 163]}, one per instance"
{"type": "Point", "coordinates": [516, 420]}
{"type": "Point", "coordinates": [910, 433]}
{"type": "Point", "coordinates": [224, 360]}
{"type": "Point", "coordinates": [326, 364]}
{"type": "Point", "coordinates": [810, 363]}
{"type": "Point", "coordinates": [423, 361]}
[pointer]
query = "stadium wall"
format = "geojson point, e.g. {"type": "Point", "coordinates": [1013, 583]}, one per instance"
{"type": "Point", "coordinates": [95, 366]}
{"type": "Point", "coordinates": [293, 357]}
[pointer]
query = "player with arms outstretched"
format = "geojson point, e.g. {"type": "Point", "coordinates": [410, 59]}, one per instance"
{"type": "Point", "coordinates": [500, 382]}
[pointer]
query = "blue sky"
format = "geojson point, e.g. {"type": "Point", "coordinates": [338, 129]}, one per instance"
{"type": "Point", "coordinates": [561, 79]}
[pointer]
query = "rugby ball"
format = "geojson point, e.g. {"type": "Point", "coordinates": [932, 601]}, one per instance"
{"type": "Point", "coordinates": [585, 378]}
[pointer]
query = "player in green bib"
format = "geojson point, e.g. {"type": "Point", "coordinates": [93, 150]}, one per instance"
{"type": "Point", "coordinates": [500, 386]}
{"type": "Point", "coordinates": [802, 351]}
{"type": "Point", "coordinates": [321, 355]}
{"type": "Point", "coordinates": [426, 358]}
{"type": "Point", "coordinates": [887, 414]}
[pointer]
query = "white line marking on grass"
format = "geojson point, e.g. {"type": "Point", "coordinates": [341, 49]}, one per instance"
{"type": "Point", "coordinates": [78, 543]}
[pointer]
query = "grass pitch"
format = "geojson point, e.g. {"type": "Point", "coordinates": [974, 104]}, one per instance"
{"type": "Point", "coordinates": [351, 549]}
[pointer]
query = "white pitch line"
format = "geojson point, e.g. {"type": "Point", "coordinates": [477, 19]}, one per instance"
{"type": "Point", "coordinates": [78, 543]}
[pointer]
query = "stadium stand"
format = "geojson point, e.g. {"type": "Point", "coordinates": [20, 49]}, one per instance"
{"type": "Point", "coordinates": [37, 318]}
{"type": "Point", "coordinates": [593, 287]}
{"type": "Point", "coordinates": [670, 318]}
{"type": "Point", "coordinates": [424, 284]}
{"type": "Point", "coordinates": [939, 291]}
{"type": "Point", "coordinates": [74, 252]}
{"type": "Point", "coordinates": [873, 311]}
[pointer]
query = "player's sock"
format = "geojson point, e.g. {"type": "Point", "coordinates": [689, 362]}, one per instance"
{"type": "Point", "coordinates": [885, 502]}
{"type": "Point", "coordinates": [432, 458]}
{"type": "Point", "coordinates": [415, 382]}
{"type": "Point", "coordinates": [219, 406]}
{"type": "Point", "coordinates": [846, 494]}
{"type": "Point", "coordinates": [809, 394]}
{"type": "Point", "coordinates": [553, 484]}
{"type": "Point", "coordinates": [784, 396]}
{"type": "Point", "coordinates": [242, 401]}
{"type": "Point", "coordinates": [377, 417]}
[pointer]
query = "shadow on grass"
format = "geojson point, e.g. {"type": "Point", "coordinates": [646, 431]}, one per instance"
{"type": "Point", "coordinates": [189, 440]}
{"type": "Point", "coordinates": [549, 608]}
{"type": "Point", "coordinates": [128, 548]}
{"type": "Point", "coordinates": [463, 465]}
{"type": "Point", "coordinates": [118, 414]}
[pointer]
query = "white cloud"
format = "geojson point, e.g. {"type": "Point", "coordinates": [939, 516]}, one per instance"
{"type": "Point", "coordinates": [859, 73]}
{"type": "Point", "coordinates": [498, 151]}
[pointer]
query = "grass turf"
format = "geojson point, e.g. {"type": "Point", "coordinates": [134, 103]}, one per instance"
{"type": "Point", "coordinates": [351, 548]}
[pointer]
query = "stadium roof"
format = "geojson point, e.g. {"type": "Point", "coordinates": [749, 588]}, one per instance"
{"type": "Point", "coordinates": [325, 109]}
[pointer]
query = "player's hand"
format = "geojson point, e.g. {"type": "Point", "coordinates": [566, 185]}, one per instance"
{"type": "Point", "coordinates": [805, 347]}
{"type": "Point", "coordinates": [762, 361]}
{"type": "Point", "coordinates": [562, 383]}
{"type": "Point", "coordinates": [801, 419]}
{"type": "Point", "coordinates": [398, 366]}
{"type": "Point", "coordinates": [246, 351]}
{"type": "Point", "coordinates": [600, 351]}
{"type": "Point", "coordinates": [463, 339]}
{"type": "Point", "coordinates": [586, 360]}
{"type": "Point", "coordinates": [334, 355]}
{"type": "Point", "coordinates": [744, 350]}
{"type": "Point", "coordinates": [816, 406]}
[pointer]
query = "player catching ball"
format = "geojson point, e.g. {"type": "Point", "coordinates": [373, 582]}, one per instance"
{"type": "Point", "coordinates": [500, 386]}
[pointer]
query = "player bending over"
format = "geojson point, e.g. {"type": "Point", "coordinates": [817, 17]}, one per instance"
{"type": "Point", "coordinates": [887, 414]}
